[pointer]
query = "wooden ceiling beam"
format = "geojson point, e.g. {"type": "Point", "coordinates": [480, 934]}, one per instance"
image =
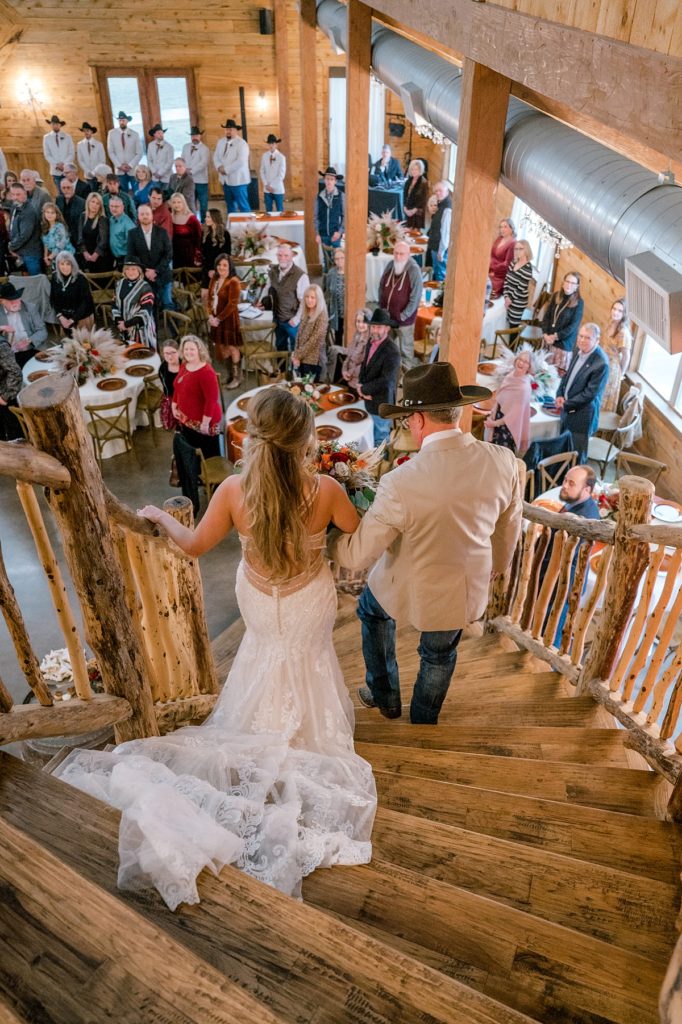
{"type": "Point", "coordinates": [633, 90]}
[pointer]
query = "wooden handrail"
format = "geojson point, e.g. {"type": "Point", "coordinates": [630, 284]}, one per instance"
{"type": "Point", "coordinates": [21, 461]}
{"type": "Point", "coordinates": [602, 530]}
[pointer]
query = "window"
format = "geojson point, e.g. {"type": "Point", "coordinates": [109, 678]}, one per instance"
{"type": "Point", "coordinates": [167, 96]}
{"type": "Point", "coordinates": [662, 371]}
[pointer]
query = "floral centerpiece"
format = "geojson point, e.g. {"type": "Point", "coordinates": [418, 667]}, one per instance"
{"type": "Point", "coordinates": [89, 354]}
{"type": "Point", "coordinates": [56, 669]}
{"type": "Point", "coordinates": [304, 387]}
{"type": "Point", "coordinates": [607, 497]}
{"type": "Point", "coordinates": [383, 231]}
{"type": "Point", "coordinates": [252, 241]}
{"type": "Point", "coordinates": [256, 280]}
{"type": "Point", "coordinates": [545, 376]}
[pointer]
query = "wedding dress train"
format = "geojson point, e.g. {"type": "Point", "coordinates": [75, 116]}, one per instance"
{"type": "Point", "coordinates": [270, 782]}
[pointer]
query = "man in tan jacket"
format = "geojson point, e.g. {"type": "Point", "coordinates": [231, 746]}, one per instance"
{"type": "Point", "coordinates": [439, 526]}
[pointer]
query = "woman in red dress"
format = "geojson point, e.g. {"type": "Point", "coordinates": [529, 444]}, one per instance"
{"type": "Point", "coordinates": [186, 233]}
{"type": "Point", "coordinates": [501, 255]}
{"type": "Point", "coordinates": [224, 292]}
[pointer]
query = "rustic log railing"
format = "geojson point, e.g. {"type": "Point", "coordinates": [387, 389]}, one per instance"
{"type": "Point", "coordinates": [140, 597]}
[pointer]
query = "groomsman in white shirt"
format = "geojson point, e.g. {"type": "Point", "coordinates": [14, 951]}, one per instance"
{"type": "Point", "coordinates": [273, 167]}
{"type": "Point", "coordinates": [160, 156]}
{"type": "Point", "coordinates": [90, 153]}
{"type": "Point", "coordinates": [58, 149]}
{"type": "Point", "coordinates": [231, 159]}
{"type": "Point", "coordinates": [196, 156]}
{"type": "Point", "coordinates": [124, 147]}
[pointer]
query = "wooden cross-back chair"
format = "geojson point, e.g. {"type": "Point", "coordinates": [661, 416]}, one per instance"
{"type": "Point", "coordinates": [149, 402]}
{"type": "Point", "coordinates": [213, 471]}
{"type": "Point", "coordinates": [604, 450]}
{"type": "Point", "coordinates": [259, 354]}
{"type": "Point", "coordinates": [110, 422]}
{"type": "Point", "coordinates": [634, 464]}
{"type": "Point", "coordinates": [511, 337]}
{"type": "Point", "coordinates": [103, 287]}
{"type": "Point", "coordinates": [554, 468]}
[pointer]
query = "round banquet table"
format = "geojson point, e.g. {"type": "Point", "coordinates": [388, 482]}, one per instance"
{"type": "Point", "coordinates": [494, 319]}
{"type": "Point", "coordinates": [90, 394]}
{"type": "Point", "coordinates": [286, 227]}
{"type": "Point", "coordinates": [360, 435]}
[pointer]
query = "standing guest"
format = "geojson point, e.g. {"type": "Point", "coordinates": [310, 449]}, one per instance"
{"type": "Point", "coordinates": [442, 524]}
{"type": "Point", "coordinates": [54, 234]}
{"type": "Point", "coordinates": [378, 378]}
{"type": "Point", "coordinates": [151, 248]}
{"type": "Point", "coordinates": [182, 183]}
{"type": "Point", "coordinates": [356, 350]}
{"type": "Point", "coordinates": [386, 171]}
{"type": "Point", "coordinates": [439, 230]}
{"type": "Point", "coordinates": [216, 240]}
{"type": "Point", "coordinates": [133, 308]}
{"type": "Point", "coordinates": [95, 255]}
{"type": "Point", "coordinates": [580, 391]}
{"type": "Point", "coordinates": [519, 284]}
{"type": "Point", "coordinates": [72, 208]}
{"type": "Point", "coordinates": [161, 215]}
{"type": "Point", "coordinates": [309, 355]}
{"type": "Point", "coordinates": [616, 342]}
{"type": "Point", "coordinates": [11, 383]}
{"type": "Point", "coordinates": [562, 320]}
{"type": "Point", "coordinates": [196, 155]}
{"type": "Point", "coordinates": [329, 213]}
{"type": "Point", "coordinates": [169, 368]}
{"type": "Point", "coordinates": [124, 147]}
{"type": "Point", "coordinates": [186, 233]}
{"type": "Point", "coordinates": [112, 187]}
{"type": "Point", "coordinates": [196, 399]}
{"type": "Point", "coordinates": [24, 230]}
{"type": "Point", "coordinates": [231, 159]}
{"type": "Point", "coordinates": [160, 156]}
{"type": "Point", "coordinates": [70, 294]}
{"type": "Point", "coordinates": [8, 179]}
{"type": "Point", "coordinates": [82, 188]}
{"type": "Point", "coordinates": [335, 295]}
{"type": "Point", "coordinates": [273, 168]}
{"type": "Point", "coordinates": [501, 256]}
{"type": "Point", "coordinates": [285, 298]}
{"type": "Point", "coordinates": [415, 195]}
{"type": "Point", "coordinates": [22, 321]}
{"type": "Point", "coordinates": [508, 424]}
{"type": "Point", "coordinates": [89, 153]}
{"type": "Point", "coordinates": [222, 307]}
{"type": "Point", "coordinates": [37, 196]}
{"type": "Point", "coordinates": [400, 291]}
{"type": "Point", "coordinates": [58, 148]}
{"type": "Point", "coordinates": [143, 184]}
{"type": "Point", "coordinates": [120, 225]}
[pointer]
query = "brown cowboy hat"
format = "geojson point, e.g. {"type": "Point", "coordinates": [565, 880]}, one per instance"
{"type": "Point", "coordinates": [433, 387]}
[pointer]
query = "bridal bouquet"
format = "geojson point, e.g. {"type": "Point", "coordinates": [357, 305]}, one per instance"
{"type": "Point", "coordinates": [383, 231]}
{"type": "Point", "coordinates": [253, 241]}
{"type": "Point", "coordinates": [357, 471]}
{"type": "Point", "coordinates": [89, 354]}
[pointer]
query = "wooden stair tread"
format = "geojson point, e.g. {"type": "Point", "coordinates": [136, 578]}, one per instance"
{"type": "Point", "coordinates": [298, 961]}
{"type": "Point", "coordinates": [575, 712]}
{"type": "Point", "coordinates": [618, 789]}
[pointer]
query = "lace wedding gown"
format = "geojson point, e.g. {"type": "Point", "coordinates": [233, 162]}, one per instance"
{"type": "Point", "coordinates": [270, 782]}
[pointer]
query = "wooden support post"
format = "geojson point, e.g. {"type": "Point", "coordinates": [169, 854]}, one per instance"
{"type": "Point", "coordinates": [482, 117]}
{"type": "Point", "coordinates": [309, 134]}
{"type": "Point", "coordinates": [357, 133]}
{"type": "Point", "coordinates": [282, 65]}
{"type": "Point", "coordinates": [6, 702]}
{"type": "Point", "coordinates": [19, 634]}
{"type": "Point", "coordinates": [55, 423]}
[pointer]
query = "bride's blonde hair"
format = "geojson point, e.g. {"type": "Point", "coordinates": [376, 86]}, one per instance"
{"type": "Point", "coordinates": [276, 479]}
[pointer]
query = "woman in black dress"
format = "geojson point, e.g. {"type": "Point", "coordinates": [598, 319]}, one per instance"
{"type": "Point", "coordinates": [415, 195]}
{"type": "Point", "coordinates": [95, 256]}
{"type": "Point", "coordinates": [215, 242]}
{"type": "Point", "coordinates": [70, 294]}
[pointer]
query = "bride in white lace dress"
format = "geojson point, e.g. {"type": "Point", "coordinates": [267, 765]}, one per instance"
{"type": "Point", "coordinates": [270, 782]}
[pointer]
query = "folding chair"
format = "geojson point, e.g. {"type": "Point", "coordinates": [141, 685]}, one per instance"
{"type": "Point", "coordinates": [605, 450]}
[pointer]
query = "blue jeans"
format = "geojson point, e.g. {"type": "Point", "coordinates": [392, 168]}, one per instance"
{"type": "Point", "coordinates": [236, 198]}
{"type": "Point", "coordinates": [128, 182]}
{"type": "Point", "coordinates": [439, 266]}
{"type": "Point", "coordinates": [273, 201]}
{"type": "Point", "coordinates": [201, 193]}
{"type": "Point", "coordinates": [31, 264]}
{"type": "Point", "coordinates": [437, 654]}
{"type": "Point", "coordinates": [285, 336]}
{"type": "Point", "coordinates": [382, 428]}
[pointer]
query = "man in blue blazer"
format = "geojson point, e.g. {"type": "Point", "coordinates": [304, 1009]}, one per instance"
{"type": "Point", "coordinates": [580, 392]}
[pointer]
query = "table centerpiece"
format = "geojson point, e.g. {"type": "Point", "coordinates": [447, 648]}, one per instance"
{"type": "Point", "coordinates": [89, 354]}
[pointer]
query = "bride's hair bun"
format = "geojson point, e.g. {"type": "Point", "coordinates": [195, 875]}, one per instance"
{"type": "Point", "coordinates": [279, 418]}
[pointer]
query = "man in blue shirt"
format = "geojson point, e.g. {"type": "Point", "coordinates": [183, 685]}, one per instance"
{"type": "Point", "coordinates": [119, 226]}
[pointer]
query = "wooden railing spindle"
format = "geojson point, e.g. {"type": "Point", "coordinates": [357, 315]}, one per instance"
{"type": "Point", "coordinates": [576, 593]}
{"type": "Point", "coordinates": [638, 624]}
{"type": "Point", "coordinates": [525, 571]}
{"type": "Point", "coordinates": [22, 644]}
{"type": "Point", "coordinates": [568, 550]}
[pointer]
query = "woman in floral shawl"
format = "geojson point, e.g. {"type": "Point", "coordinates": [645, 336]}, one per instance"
{"type": "Point", "coordinates": [133, 309]}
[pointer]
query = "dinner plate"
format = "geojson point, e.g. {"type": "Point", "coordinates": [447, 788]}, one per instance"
{"type": "Point", "coordinates": [342, 398]}
{"type": "Point", "coordinates": [43, 357]}
{"type": "Point", "coordinates": [139, 371]}
{"type": "Point", "coordinates": [488, 369]}
{"type": "Point", "coordinates": [328, 433]}
{"type": "Point", "coordinates": [352, 415]}
{"type": "Point", "coordinates": [551, 410]}
{"type": "Point", "coordinates": [138, 352]}
{"type": "Point", "coordinates": [242, 403]}
{"type": "Point", "coordinates": [666, 513]}
{"type": "Point", "coordinates": [239, 424]}
{"type": "Point", "coordinates": [324, 388]}
{"type": "Point", "coordinates": [37, 374]}
{"type": "Point", "coordinates": [416, 248]}
{"type": "Point", "coordinates": [549, 504]}
{"type": "Point", "coordinates": [114, 383]}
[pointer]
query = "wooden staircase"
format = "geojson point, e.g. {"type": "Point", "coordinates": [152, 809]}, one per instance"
{"type": "Point", "coordinates": [521, 872]}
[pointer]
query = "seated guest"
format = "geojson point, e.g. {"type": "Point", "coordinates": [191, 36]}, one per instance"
{"type": "Point", "coordinates": [616, 342]}
{"type": "Point", "coordinates": [120, 225]}
{"type": "Point", "coordinates": [508, 424]}
{"type": "Point", "coordinates": [90, 153]}
{"type": "Point", "coordinates": [355, 353]}
{"type": "Point", "coordinates": [329, 212]}
{"type": "Point", "coordinates": [168, 371]}
{"type": "Point", "coordinates": [335, 295]}
{"type": "Point", "coordinates": [379, 372]}
{"type": "Point", "coordinates": [150, 247]}
{"type": "Point", "coordinates": [24, 231]}
{"type": "Point", "coordinates": [72, 209]}
{"type": "Point", "coordinates": [70, 294]}
{"type": "Point", "coordinates": [216, 240]}
{"type": "Point", "coordinates": [222, 308]}
{"type": "Point", "coordinates": [95, 255]}
{"type": "Point", "coordinates": [501, 256]}
{"type": "Point", "coordinates": [186, 233]}
{"type": "Point", "coordinates": [562, 320]}
{"type": "Point", "coordinates": [159, 156]}
{"type": "Point", "coordinates": [133, 309]}
{"type": "Point", "coordinates": [143, 184]}
{"type": "Point", "coordinates": [101, 172]}
{"type": "Point", "coordinates": [309, 355]}
{"type": "Point", "coordinates": [82, 188]}
{"type": "Point", "coordinates": [439, 230]}
{"type": "Point", "coordinates": [519, 283]}
{"type": "Point", "coordinates": [580, 391]}
{"type": "Point", "coordinates": [37, 196]}
{"type": "Point", "coordinates": [415, 195]}
{"type": "Point", "coordinates": [21, 323]}
{"type": "Point", "coordinates": [400, 291]}
{"type": "Point", "coordinates": [386, 171]}
{"type": "Point", "coordinates": [112, 187]}
{"type": "Point", "coordinates": [161, 215]}
{"type": "Point", "coordinates": [196, 399]}
{"type": "Point", "coordinates": [11, 383]}
{"type": "Point", "coordinates": [55, 234]}
{"type": "Point", "coordinates": [182, 183]}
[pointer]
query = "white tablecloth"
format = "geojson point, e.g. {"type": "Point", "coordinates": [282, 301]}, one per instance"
{"type": "Point", "coordinates": [375, 266]}
{"type": "Point", "coordinates": [495, 319]}
{"type": "Point", "coordinates": [278, 227]}
{"type": "Point", "coordinates": [90, 394]}
{"type": "Point", "coordinates": [361, 434]}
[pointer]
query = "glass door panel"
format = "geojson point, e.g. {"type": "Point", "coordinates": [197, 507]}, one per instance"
{"type": "Point", "coordinates": [124, 94]}
{"type": "Point", "coordinates": [174, 108]}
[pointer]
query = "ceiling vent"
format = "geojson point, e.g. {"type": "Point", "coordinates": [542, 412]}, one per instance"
{"type": "Point", "coordinates": [654, 298]}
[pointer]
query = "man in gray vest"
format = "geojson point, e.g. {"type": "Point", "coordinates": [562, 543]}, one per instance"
{"type": "Point", "coordinates": [288, 285]}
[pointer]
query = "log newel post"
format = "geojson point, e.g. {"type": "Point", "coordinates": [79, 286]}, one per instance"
{"type": "Point", "coordinates": [630, 558]}
{"type": "Point", "coordinates": [357, 133]}
{"type": "Point", "coordinates": [309, 132]}
{"type": "Point", "coordinates": [55, 424]}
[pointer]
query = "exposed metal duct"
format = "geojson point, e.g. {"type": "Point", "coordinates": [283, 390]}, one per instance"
{"type": "Point", "coordinates": [608, 206]}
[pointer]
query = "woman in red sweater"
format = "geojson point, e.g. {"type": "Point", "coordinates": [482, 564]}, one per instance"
{"type": "Point", "coordinates": [196, 399]}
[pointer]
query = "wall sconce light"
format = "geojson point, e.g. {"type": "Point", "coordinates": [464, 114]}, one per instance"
{"type": "Point", "coordinates": [261, 101]}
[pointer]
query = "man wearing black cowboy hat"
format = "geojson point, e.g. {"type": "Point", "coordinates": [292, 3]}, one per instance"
{"type": "Point", "coordinates": [379, 372]}
{"type": "Point", "coordinates": [160, 156]}
{"type": "Point", "coordinates": [58, 148]}
{"type": "Point", "coordinates": [329, 214]}
{"type": "Point", "coordinates": [20, 323]}
{"type": "Point", "coordinates": [90, 153]}
{"type": "Point", "coordinates": [196, 156]}
{"type": "Point", "coordinates": [124, 147]}
{"type": "Point", "coordinates": [440, 524]}
{"type": "Point", "coordinates": [273, 168]}
{"type": "Point", "coordinates": [231, 159]}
